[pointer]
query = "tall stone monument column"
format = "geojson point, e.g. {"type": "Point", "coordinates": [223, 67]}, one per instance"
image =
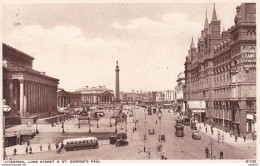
{"type": "Point", "coordinates": [117, 98]}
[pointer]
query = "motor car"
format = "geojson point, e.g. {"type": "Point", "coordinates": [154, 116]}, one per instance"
{"type": "Point", "coordinates": [121, 142]}
{"type": "Point", "coordinates": [112, 139]}
{"type": "Point", "coordinates": [193, 126]}
{"type": "Point", "coordinates": [151, 131]}
{"type": "Point", "coordinates": [196, 136]}
{"type": "Point", "coordinates": [162, 138]}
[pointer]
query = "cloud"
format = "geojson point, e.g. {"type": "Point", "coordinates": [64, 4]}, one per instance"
{"type": "Point", "coordinates": [64, 53]}
{"type": "Point", "coordinates": [151, 53]}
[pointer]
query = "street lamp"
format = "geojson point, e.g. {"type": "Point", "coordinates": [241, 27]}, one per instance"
{"type": "Point", "coordinates": [200, 113]}
{"type": "Point", "coordinates": [6, 109]}
{"type": "Point", "coordinates": [211, 143]}
{"type": "Point", "coordinates": [223, 104]}
{"type": "Point", "coordinates": [159, 115]}
{"type": "Point", "coordinates": [89, 130]}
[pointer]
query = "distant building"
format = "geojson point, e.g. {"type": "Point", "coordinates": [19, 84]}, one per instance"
{"type": "Point", "coordinates": [170, 96]}
{"type": "Point", "coordinates": [96, 95]}
{"type": "Point", "coordinates": [180, 92]}
{"type": "Point", "coordinates": [63, 98]}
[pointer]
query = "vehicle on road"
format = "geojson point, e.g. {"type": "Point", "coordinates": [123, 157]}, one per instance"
{"type": "Point", "coordinates": [193, 126]}
{"type": "Point", "coordinates": [121, 142]}
{"type": "Point", "coordinates": [186, 121]}
{"type": "Point", "coordinates": [179, 122]}
{"type": "Point", "coordinates": [196, 136]}
{"type": "Point", "coordinates": [112, 139]}
{"type": "Point", "coordinates": [151, 131]}
{"type": "Point", "coordinates": [179, 130]}
{"type": "Point", "coordinates": [80, 143]}
{"type": "Point", "coordinates": [162, 138]}
{"type": "Point", "coordinates": [100, 113]}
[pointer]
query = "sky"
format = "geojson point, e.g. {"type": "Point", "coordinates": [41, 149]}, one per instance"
{"type": "Point", "coordinates": [80, 43]}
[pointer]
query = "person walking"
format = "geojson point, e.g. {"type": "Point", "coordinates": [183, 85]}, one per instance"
{"type": "Point", "coordinates": [206, 129]}
{"type": "Point", "coordinates": [57, 145]}
{"type": "Point", "coordinates": [15, 150]}
{"type": "Point", "coordinates": [162, 155]}
{"type": "Point", "coordinates": [28, 142]}
{"type": "Point", "coordinates": [149, 153]}
{"type": "Point", "coordinates": [26, 149]}
{"type": "Point", "coordinates": [49, 146]}
{"type": "Point", "coordinates": [244, 138]}
{"type": "Point", "coordinates": [207, 152]}
{"type": "Point", "coordinates": [40, 147]}
{"type": "Point", "coordinates": [30, 150]}
{"type": "Point", "coordinates": [221, 155]}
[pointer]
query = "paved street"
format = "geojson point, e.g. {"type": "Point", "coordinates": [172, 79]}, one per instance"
{"type": "Point", "coordinates": [174, 148]}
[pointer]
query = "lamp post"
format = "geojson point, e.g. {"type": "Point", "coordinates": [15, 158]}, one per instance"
{"type": "Point", "coordinates": [211, 143]}
{"type": "Point", "coordinates": [223, 104]}
{"type": "Point", "coordinates": [6, 109]}
{"type": "Point", "coordinates": [89, 130]}
{"type": "Point", "coordinates": [200, 113]}
{"type": "Point", "coordinates": [159, 115]}
{"type": "Point", "coordinates": [144, 131]}
{"type": "Point", "coordinates": [135, 118]}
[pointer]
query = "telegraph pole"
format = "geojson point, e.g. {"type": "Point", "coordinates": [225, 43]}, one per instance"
{"type": "Point", "coordinates": [144, 131]}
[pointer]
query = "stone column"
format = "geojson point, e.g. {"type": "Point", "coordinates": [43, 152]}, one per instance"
{"type": "Point", "coordinates": [26, 97]}
{"type": "Point", "coordinates": [10, 100]}
{"type": "Point", "coordinates": [21, 96]}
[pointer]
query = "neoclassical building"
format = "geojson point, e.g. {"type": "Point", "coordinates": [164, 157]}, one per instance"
{"type": "Point", "coordinates": [220, 74]}
{"type": "Point", "coordinates": [27, 91]}
{"type": "Point", "coordinates": [63, 98]}
{"type": "Point", "coordinates": [95, 95]}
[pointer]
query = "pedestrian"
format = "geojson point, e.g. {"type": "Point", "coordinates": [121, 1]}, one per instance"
{"type": "Point", "coordinates": [221, 155]}
{"type": "Point", "coordinates": [26, 149]}
{"type": "Point", "coordinates": [15, 150]}
{"type": "Point", "coordinates": [30, 150]}
{"type": "Point", "coordinates": [244, 138]}
{"type": "Point", "coordinates": [206, 130]}
{"type": "Point", "coordinates": [162, 155]}
{"type": "Point", "coordinates": [28, 142]}
{"type": "Point", "coordinates": [207, 152]}
{"type": "Point", "coordinates": [235, 138]}
{"type": "Point", "coordinates": [62, 146]}
{"type": "Point", "coordinates": [149, 153]}
{"type": "Point", "coordinates": [57, 145]}
{"type": "Point", "coordinates": [49, 146]}
{"type": "Point", "coordinates": [40, 147]}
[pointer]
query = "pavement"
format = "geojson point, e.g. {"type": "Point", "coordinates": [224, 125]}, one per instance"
{"type": "Point", "coordinates": [228, 139]}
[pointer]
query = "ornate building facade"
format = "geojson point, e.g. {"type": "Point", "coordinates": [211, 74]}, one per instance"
{"type": "Point", "coordinates": [27, 91]}
{"type": "Point", "coordinates": [221, 72]}
{"type": "Point", "coordinates": [96, 95]}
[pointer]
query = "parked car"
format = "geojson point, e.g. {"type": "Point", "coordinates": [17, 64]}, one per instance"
{"type": "Point", "coordinates": [121, 142]}
{"type": "Point", "coordinates": [196, 136]}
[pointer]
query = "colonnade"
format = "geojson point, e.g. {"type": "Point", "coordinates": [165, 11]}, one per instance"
{"type": "Point", "coordinates": [97, 99]}
{"type": "Point", "coordinates": [31, 97]}
{"type": "Point", "coordinates": [63, 101]}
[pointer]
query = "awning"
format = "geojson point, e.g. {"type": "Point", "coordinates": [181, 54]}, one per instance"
{"type": "Point", "coordinates": [196, 104]}
{"type": "Point", "coordinates": [197, 111]}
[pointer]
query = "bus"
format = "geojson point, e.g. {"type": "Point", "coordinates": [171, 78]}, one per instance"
{"type": "Point", "coordinates": [80, 143]}
{"type": "Point", "coordinates": [179, 130]}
